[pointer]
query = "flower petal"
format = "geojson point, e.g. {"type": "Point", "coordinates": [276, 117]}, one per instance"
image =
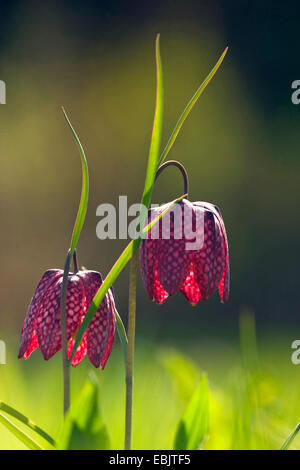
{"type": "Point", "coordinates": [98, 329]}
{"type": "Point", "coordinates": [33, 344]}
{"type": "Point", "coordinates": [159, 293]}
{"type": "Point", "coordinates": [112, 328]}
{"type": "Point", "coordinates": [80, 351]}
{"type": "Point", "coordinates": [224, 285]}
{"type": "Point", "coordinates": [176, 247]}
{"type": "Point", "coordinates": [210, 260]}
{"type": "Point", "coordinates": [48, 318]}
{"type": "Point", "coordinates": [147, 264]}
{"type": "Point", "coordinates": [149, 252]}
{"type": "Point", "coordinates": [190, 288]}
{"type": "Point", "coordinates": [28, 335]}
{"type": "Point", "coordinates": [173, 264]}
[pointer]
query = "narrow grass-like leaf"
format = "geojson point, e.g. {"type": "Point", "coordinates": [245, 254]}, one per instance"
{"type": "Point", "coordinates": [21, 435]}
{"type": "Point", "coordinates": [291, 437]}
{"type": "Point", "coordinates": [84, 190]}
{"type": "Point", "coordinates": [122, 334]}
{"type": "Point", "coordinates": [192, 429]}
{"type": "Point", "coordinates": [112, 276]}
{"type": "Point", "coordinates": [190, 106]}
{"type": "Point", "coordinates": [83, 428]}
{"type": "Point", "coordinates": [147, 193]}
{"type": "Point", "coordinates": [156, 131]}
{"type": "Point", "coordinates": [153, 163]}
{"type": "Point", "coordinates": [25, 420]}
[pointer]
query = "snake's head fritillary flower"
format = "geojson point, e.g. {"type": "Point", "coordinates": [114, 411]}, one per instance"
{"type": "Point", "coordinates": [187, 251]}
{"type": "Point", "coordinates": [42, 323]}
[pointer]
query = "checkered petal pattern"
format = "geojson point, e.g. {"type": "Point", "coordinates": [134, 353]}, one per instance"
{"type": "Point", "coordinates": [42, 323]}
{"type": "Point", "coordinates": [189, 253]}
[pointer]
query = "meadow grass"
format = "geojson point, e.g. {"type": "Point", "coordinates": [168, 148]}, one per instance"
{"type": "Point", "coordinates": [254, 392]}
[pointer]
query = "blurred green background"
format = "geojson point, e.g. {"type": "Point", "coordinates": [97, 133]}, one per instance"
{"type": "Point", "coordinates": [239, 147]}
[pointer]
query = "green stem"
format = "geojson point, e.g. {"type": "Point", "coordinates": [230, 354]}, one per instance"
{"type": "Point", "coordinates": [179, 165]}
{"type": "Point", "coordinates": [130, 350]}
{"type": "Point", "coordinates": [75, 262]}
{"type": "Point", "coordinates": [122, 335]}
{"type": "Point", "coordinates": [64, 338]}
{"type": "Point", "coordinates": [291, 437]}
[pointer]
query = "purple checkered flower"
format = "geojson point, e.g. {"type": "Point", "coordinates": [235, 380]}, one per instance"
{"type": "Point", "coordinates": [193, 258]}
{"type": "Point", "coordinates": [42, 323]}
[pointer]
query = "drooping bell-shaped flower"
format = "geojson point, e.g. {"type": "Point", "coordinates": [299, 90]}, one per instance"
{"type": "Point", "coordinates": [187, 251]}
{"type": "Point", "coordinates": [42, 323]}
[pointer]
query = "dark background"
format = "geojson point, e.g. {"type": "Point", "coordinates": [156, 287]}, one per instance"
{"type": "Point", "coordinates": [240, 144]}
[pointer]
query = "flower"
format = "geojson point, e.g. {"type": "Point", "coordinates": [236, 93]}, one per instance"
{"type": "Point", "coordinates": [187, 251]}
{"type": "Point", "coordinates": [42, 323]}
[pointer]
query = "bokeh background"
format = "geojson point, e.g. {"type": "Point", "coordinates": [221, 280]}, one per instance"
{"type": "Point", "coordinates": [239, 146]}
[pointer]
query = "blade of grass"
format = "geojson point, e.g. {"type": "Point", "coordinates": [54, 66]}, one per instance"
{"type": "Point", "coordinates": [146, 198]}
{"type": "Point", "coordinates": [156, 131]}
{"type": "Point", "coordinates": [84, 190]}
{"type": "Point", "coordinates": [192, 429]}
{"type": "Point", "coordinates": [291, 437]}
{"type": "Point", "coordinates": [189, 107]}
{"type": "Point", "coordinates": [153, 163]}
{"type": "Point", "coordinates": [84, 428]}
{"type": "Point", "coordinates": [71, 254]}
{"type": "Point", "coordinates": [21, 435]}
{"type": "Point", "coordinates": [112, 276]}
{"type": "Point", "coordinates": [25, 420]}
{"type": "Point", "coordinates": [122, 334]}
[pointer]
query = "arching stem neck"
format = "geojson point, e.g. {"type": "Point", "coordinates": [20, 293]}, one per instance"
{"type": "Point", "coordinates": [181, 168]}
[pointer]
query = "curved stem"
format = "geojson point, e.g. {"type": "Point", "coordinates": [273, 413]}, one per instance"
{"type": "Point", "coordinates": [130, 349]}
{"type": "Point", "coordinates": [64, 338]}
{"type": "Point", "coordinates": [181, 168]}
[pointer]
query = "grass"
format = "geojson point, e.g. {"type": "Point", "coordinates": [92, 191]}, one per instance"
{"type": "Point", "coordinates": [254, 401]}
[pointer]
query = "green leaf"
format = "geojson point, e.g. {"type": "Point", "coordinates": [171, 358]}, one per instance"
{"type": "Point", "coordinates": [291, 437]}
{"type": "Point", "coordinates": [189, 107]}
{"type": "Point", "coordinates": [149, 182]}
{"type": "Point", "coordinates": [192, 429]}
{"type": "Point", "coordinates": [21, 435]}
{"type": "Point", "coordinates": [112, 276]}
{"type": "Point", "coordinates": [84, 191]}
{"type": "Point", "coordinates": [153, 163]}
{"type": "Point", "coordinates": [25, 420]}
{"type": "Point", "coordinates": [156, 131]}
{"type": "Point", "coordinates": [147, 193]}
{"type": "Point", "coordinates": [122, 334]}
{"type": "Point", "coordinates": [83, 428]}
